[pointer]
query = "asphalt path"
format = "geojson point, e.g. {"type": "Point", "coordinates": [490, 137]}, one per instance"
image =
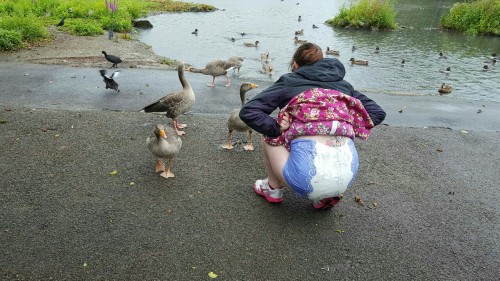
{"type": "Point", "coordinates": [80, 199]}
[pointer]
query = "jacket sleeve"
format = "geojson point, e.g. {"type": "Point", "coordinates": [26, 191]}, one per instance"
{"type": "Point", "coordinates": [256, 112]}
{"type": "Point", "coordinates": [377, 114]}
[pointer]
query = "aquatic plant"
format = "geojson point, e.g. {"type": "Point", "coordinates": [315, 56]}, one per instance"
{"type": "Point", "coordinates": [479, 17]}
{"type": "Point", "coordinates": [366, 14]}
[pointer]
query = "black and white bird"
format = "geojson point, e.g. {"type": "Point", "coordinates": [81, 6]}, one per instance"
{"type": "Point", "coordinates": [61, 23]}
{"type": "Point", "coordinates": [110, 80]}
{"type": "Point", "coordinates": [112, 59]}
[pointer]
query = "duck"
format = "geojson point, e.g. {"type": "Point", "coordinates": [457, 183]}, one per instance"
{"type": "Point", "coordinates": [492, 61]}
{"type": "Point", "coordinates": [441, 56]}
{"type": "Point", "coordinates": [353, 48]}
{"type": "Point", "coordinates": [315, 26]}
{"type": "Point", "coordinates": [267, 69]}
{"type": "Point", "coordinates": [215, 68]}
{"type": "Point", "coordinates": [299, 32]}
{"type": "Point", "coordinates": [176, 103]}
{"type": "Point", "coordinates": [487, 67]}
{"type": "Point", "coordinates": [446, 71]}
{"type": "Point", "coordinates": [445, 89]}
{"type": "Point", "coordinates": [235, 123]}
{"type": "Point", "coordinates": [331, 52]}
{"type": "Point", "coordinates": [252, 44]}
{"type": "Point", "coordinates": [494, 57]}
{"type": "Point", "coordinates": [264, 57]}
{"type": "Point", "coordinates": [358, 62]}
{"type": "Point", "coordinates": [377, 50]}
{"type": "Point", "coordinates": [164, 145]}
{"type": "Point", "coordinates": [300, 18]}
{"type": "Point", "coordinates": [195, 32]}
{"type": "Point", "coordinates": [112, 59]}
{"type": "Point", "coordinates": [237, 61]}
{"type": "Point", "coordinates": [403, 62]}
{"type": "Point", "coordinates": [109, 80]}
{"type": "Point", "coordinates": [299, 41]}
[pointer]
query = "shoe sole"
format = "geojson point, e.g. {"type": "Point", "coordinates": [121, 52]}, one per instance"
{"type": "Point", "coordinates": [327, 205]}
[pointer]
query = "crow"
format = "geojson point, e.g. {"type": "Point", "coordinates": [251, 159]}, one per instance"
{"type": "Point", "coordinates": [109, 80]}
{"type": "Point", "coordinates": [61, 23]}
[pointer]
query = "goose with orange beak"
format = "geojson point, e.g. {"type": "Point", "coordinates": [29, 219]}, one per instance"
{"type": "Point", "coordinates": [164, 147]}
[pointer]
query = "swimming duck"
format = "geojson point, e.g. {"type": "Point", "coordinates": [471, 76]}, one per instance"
{"type": "Point", "coordinates": [299, 32]}
{"type": "Point", "coordinates": [195, 32]}
{"type": "Point", "coordinates": [403, 62]}
{"type": "Point", "coordinates": [164, 145]}
{"type": "Point", "coordinates": [298, 41]}
{"type": "Point", "coordinates": [264, 57]}
{"type": "Point", "coordinates": [492, 61]}
{"type": "Point", "coordinates": [358, 62]}
{"type": "Point", "coordinates": [331, 52]}
{"type": "Point", "coordinates": [252, 44]}
{"type": "Point", "coordinates": [446, 71]}
{"type": "Point", "coordinates": [377, 50]}
{"type": "Point", "coordinates": [215, 68]}
{"type": "Point", "coordinates": [176, 103]}
{"type": "Point", "coordinates": [109, 80]}
{"type": "Point", "coordinates": [237, 61]}
{"type": "Point", "coordinates": [441, 56]}
{"type": "Point", "coordinates": [112, 59]}
{"type": "Point", "coordinates": [315, 26]}
{"type": "Point", "coordinates": [235, 123]}
{"type": "Point", "coordinates": [354, 48]}
{"type": "Point", "coordinates": [488, 67]}
{"type": "Point", "coordinates": [300, 18]}
{"type": "Point", "coordinates": [445, 89]}
{"type": "Point", "coordinates": [267, 69]}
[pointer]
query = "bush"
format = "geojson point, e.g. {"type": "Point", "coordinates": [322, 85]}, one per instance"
{"type": "Point", "coordinates": [30, 28]}
{"type": "Point", "coordinates": [366, 14]}
{"type": "Point", "coordinates": [86, 29]}
{"type": "Point", "coordinates": [10, 40]}
{"type": "Point", "coordinates": [480, 17]}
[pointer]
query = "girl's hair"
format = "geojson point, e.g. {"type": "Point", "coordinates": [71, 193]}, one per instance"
{"type": "Point", "coordinates": [307, 53]}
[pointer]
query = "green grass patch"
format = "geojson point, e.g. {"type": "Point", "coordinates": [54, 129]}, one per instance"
{"type": "Point", "coordinates": [31, 19]}
{"type": "Point", "coordinates": [473, 18]}
{"type": "Point", "coordinates": [366, 14]}
{"type": "Point", "coordinates": [10, 40]}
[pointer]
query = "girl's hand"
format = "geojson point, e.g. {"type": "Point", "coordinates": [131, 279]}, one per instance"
{"type": "Point", "coordinates": [285, 122]}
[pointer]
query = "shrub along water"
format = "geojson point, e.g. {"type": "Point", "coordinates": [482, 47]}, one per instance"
{"type": "Point", "coordinates": [29, 19]}
{"type": "Point", "coordinates": [366, 14]}
{"type": "Point", "coordinates": [479, 17]}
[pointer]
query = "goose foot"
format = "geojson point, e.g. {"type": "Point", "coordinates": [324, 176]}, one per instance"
{"type": "Point", "coordinates": [211, 85]}
{"type": "Point", "coordinates": [181, 125]}
{"type": "Point", "coordinates": [180, 133]}
{"type": "Point", "coordinates": [228, 145]}
{"type": "Point", "coordinates": [248, 147]}
{"type": "Point", "coordinates": [167, 174]}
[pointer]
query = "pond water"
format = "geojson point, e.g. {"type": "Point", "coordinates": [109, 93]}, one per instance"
{"type": "Point", "coordinates": [273, 23]}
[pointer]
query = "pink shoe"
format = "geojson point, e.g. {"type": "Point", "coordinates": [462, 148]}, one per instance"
{"type": "Point", "coordinates": [326, 203]}
{"type": "Point", "coordinates": [262, 188]}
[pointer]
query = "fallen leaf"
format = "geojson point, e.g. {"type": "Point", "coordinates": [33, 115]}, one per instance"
{"type": "Point", "coordinates": [358, 200]}
{"type": "Point", "coordinates": [375, 204]}
{"type": "Point", "coordinates": [212, 275]}
{"type": "Point", "coordinates": [56, 135]}
{"type": "Point", "coordinates": [3, 122]}
{"type": "Point", "coordinates": [464, 132]}
{"type": "Point", "coordinates": [439, 150]}
{"type": "Point", "coordinates": [84, 264]}
{"type": "Point", "coordinates": [169, 211]}
{"type": "Point", "coordinates": [115, 172]}
{"type": "Point", "coordinates": [339, 231]}
{"type": "Point", "coordinates": [132, 183]}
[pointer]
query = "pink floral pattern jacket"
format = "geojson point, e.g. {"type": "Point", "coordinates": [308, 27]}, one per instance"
{"type": "Point", "coordinates": [323, 112]}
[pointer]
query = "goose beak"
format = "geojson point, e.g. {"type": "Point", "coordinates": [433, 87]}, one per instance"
{"type": "Point", "coordinates": [253, 86]}
{"type": "Point", "coordinates": [163, 134]}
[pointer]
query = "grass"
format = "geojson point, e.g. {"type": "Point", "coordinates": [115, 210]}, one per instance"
{"type": "Point", "coordinates": [32, 19]}
{"type": "Point", "coordinates": [474, 18]}
{"type": "Point", "coordinates": [366, 14]}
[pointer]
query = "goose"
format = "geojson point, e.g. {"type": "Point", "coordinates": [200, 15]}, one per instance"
{"type": "Point", "coordinates": [112, 59]}
{"type": "Point", "coordinates": [109, 80]}
{"type": "Point", "coordinates": [195, 32]}
{"type": "Point", "coordinates": [176, 103]}
{"type": "Point", "coordinates": [377, 50]}
{"type": "Point", "coordinates": [299, 41]}
{"type": "Point", "coordinates": [264, 57]}
{"type": "Point", "coordinates": [251, 44]}
{"type": "Point", "coordinates": [61, 22]}
{"type": "Point", "coordinates": [164, 145]}
{"type": "Point", "coordinates": [441, 56]}
{"type": "Point", "coordinates": [445, 89]}
{"type": "Point", "coordinates": [235, 123]}
{"type": "Point", "coordinates": [215, 68]}
{"type": "Point", "coordinates": [358, 62]}
{"type": "Point", "coordinates": [446, 71]}
{"type": "Point", "coordinates": [299, 32]}
{"type": "Point", "coordinates": [331, 52]}
{"type": "Point", "coordinates": [237, 61]}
